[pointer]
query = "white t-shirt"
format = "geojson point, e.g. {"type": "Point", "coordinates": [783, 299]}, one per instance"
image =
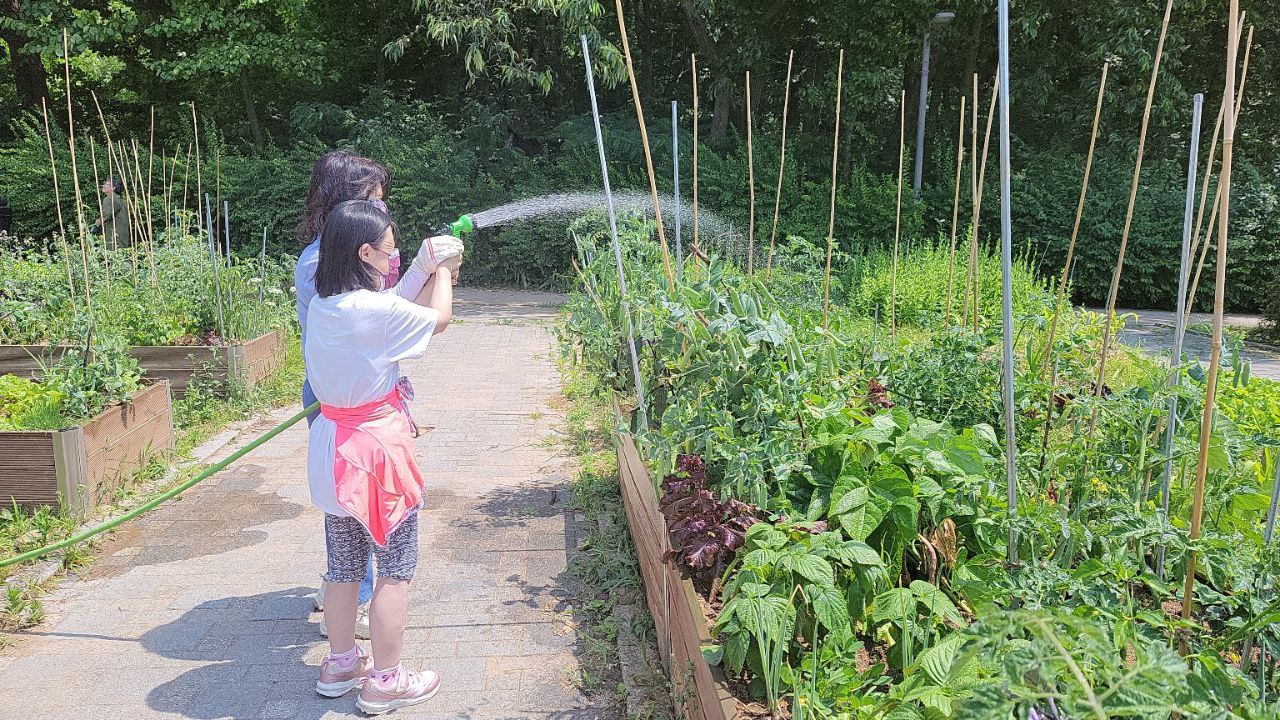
{"type": "Point", "coordinates": [355, 342]}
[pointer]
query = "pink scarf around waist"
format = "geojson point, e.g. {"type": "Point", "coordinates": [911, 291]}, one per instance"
{"type": "Point", "coordinates": [375, 476]}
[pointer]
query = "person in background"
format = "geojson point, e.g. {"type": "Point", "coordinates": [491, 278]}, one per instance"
{"type": "Point", "coordinates": [360, 464]}
{"type": "Point", "coordinates": [114, 223]}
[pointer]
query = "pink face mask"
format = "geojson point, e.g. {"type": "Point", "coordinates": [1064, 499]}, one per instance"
{"type": "Point", "coordinates": [393, 269]}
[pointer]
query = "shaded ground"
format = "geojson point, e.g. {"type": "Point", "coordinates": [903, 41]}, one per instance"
{"type": "Point", "coordinates": [203, 608]}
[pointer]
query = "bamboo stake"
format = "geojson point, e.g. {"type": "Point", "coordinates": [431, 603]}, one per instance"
{"type": "Point", "coordinates": [977, 203]}
{"type": "Point", "coordinates": [215, 260]}
{"type": "Point", "coordinates": [1211, 386]}
{"type": "Point", "coordinates": [955, 213]}
{"type": "Point", "coordinates": [831, 222]}
{"type": "Point", "coordinates": [102, 226]}
{"type": "Point", "coordinates": [57, 202]}
{"type": "Point", "coordinates": [782, 165]}
{"type": "Point", "coordinates": [1075, 229]}
{"type": "Point", "coordinates": [897, 219]}
{"type": "Point", "coordinates": [217, 182]}
{"type": "Point", "coordinates": [75, 175]}
{"type": "Point", "coordinates": [1213, 150]}
{"type": "Point", "coordinates": [1217, 198]}
{"type": "Point", "coordinates": [644, 141]}
{"type": "Point", "coordinates": [751, 187]}
{"type": "Point", "coordinates": [1109, 320]}
{"type": "Point", "coordinates": [186, 175]}
{"type": "Point", "coordinates": [151, 149]}
{"type": "Point", "coordinates": [145, 204]}
{"type": "Point", "coordinates": [131, 207]}
{"type": "Point", "coordinates": [693, 64]}
{"type": "Point", "coordinates": [195, 142]}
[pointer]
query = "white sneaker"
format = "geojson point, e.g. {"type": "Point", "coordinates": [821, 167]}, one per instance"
{"type": "Point", "coordinates": [362, 623]}
{"type": "Point", "coordinates": [318, 598]}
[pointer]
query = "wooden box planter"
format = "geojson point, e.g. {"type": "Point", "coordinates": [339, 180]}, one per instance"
{"type": "Point", "coordinates": [80, 466]}
{"type": "Point", "coordinates": [249, 361]}
{"type": "Point", "coordinates": [698, 688]}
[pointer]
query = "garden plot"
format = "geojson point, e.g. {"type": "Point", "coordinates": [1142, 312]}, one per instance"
{"type": "Point", "coordinates": [872, 478]}
{"type": "Point", "coordinates": [79, 467]}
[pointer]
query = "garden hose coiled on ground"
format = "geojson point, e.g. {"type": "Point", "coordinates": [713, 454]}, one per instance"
{"type": "Point", "coordinates": [164, 496]}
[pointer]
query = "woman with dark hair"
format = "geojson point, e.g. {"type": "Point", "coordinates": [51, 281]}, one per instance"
{"type": "Point", "coordinates": [360, 465]}
{"type": "Point", "coordinates": [114, 222]}
{"type": "Point", "coordinates": [339, 176]}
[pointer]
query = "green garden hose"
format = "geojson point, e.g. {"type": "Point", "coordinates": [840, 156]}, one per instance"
{"type": "Point", "coordinates": [162, 497]}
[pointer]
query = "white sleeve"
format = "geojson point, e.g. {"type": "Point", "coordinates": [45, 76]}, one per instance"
{"type": "Point", "coordinates": [409, 328]}
{"type": "Point", "coordinates": [411, 283]}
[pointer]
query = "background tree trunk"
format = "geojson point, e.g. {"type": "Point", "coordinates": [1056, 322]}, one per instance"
{"type": "Point", "coordinates": [28, 72]}
{"type": "Point", "coordinates": [251, 112]}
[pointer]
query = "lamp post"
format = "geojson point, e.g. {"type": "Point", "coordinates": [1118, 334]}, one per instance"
{"type": "Point", "coordinates": [939, 20]}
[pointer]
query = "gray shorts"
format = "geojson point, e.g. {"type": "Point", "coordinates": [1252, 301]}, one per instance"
{"type": "Point", "coordinates": [348, 545]}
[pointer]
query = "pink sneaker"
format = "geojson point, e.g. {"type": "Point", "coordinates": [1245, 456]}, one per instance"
{"type": "Point", "coordinates": [405, 689]}
{"type": "Point", "coordinates": [336, 682]}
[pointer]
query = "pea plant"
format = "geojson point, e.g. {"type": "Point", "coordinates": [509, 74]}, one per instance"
{"type": "Point", "coordinates": [846, 491]}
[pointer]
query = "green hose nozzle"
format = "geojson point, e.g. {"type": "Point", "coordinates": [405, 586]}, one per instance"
{"type": "Point", "coordinates": [461, 226]}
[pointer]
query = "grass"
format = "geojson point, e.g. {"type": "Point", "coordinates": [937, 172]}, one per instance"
{"type": "Point", "coordinates": [606, 569]}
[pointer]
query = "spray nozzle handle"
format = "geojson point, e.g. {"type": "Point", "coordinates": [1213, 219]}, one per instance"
{"type": "Point", "coordinates": [461, 226]}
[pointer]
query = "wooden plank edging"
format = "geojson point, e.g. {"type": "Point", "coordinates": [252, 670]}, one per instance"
{"type": "Point", "coordinates": [254, 360]}
{"type": "Point", "coordinates": [699, 690]}
{"type": "Point", "coordinates": [77, 466]}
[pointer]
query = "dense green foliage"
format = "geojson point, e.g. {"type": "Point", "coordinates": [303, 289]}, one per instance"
{"type": "Point", "coordinates": [43, 304]}
{"type": "Point", "coordinates": [880, 582]}
{"type": "Point", "coordinates": [474, 108]}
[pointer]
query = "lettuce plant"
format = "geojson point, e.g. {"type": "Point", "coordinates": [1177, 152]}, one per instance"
{"type": "Point", "coordinates": [705, 530]}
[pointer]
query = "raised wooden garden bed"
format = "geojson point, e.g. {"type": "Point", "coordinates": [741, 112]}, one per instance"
{"type": "Point", "coordinates": [80, 466]}
{"type": "Point", "coordinates": [698, 688]}
{"type": "Point", "coordinates": [250, 361]}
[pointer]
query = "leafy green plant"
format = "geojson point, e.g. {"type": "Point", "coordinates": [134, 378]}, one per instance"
{"type": "Point", "coordinates": [27, 405]}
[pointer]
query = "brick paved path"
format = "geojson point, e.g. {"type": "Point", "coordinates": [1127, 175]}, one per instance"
{"type": "Point", "coordinates": [203, 608]}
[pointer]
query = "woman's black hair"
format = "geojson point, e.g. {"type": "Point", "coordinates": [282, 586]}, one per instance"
{"type": "Point", "coordinates": [117, 185]}
{"type": "Point", "coordinates": [350, 225]}
{"type": "Point", "coordinates": [337, 176]}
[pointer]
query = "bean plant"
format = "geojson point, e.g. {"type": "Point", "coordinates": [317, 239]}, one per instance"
{"type": "Point", "coordinates": [875, 581]}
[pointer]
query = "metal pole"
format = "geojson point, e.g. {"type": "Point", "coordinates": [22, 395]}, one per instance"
{"type": "Point", "coordinates": [226, 229]}
{"type": "Point", "coordinates": [675, 162]}
{"type": "Point", "coordinates": [613, 232]}
{"type": "Point", "coordinates": [922, 107]}
{"type": "Point", "coordinates": [1006, 277]}
{"type": "Point", "coordinates": [1175, 361]}
{"type": "Point", "coordinates": [214, 260]}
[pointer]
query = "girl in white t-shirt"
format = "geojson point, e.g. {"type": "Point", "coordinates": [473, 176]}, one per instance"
{"type": "Point", "coordinates": [360, 464]}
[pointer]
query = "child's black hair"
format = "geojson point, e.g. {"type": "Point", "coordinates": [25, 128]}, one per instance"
{"type": "Point", "coordinates": [348, 227]}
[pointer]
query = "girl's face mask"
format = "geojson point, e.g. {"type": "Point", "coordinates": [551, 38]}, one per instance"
{"type": "Point", "coordinates": [393, 270]}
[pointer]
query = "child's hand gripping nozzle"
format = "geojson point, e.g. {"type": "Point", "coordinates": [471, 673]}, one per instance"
{"type": "Point", "coordinates": [446, 248]}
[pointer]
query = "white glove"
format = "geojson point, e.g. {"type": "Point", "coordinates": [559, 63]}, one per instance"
{"type": "Point", "coordinates": [437, 250]}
